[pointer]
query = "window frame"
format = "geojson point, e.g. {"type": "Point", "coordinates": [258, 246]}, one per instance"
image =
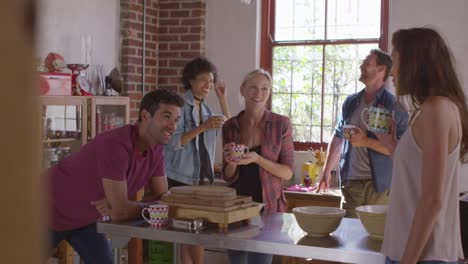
{"type": "Point", "coordinates": [267, 43]}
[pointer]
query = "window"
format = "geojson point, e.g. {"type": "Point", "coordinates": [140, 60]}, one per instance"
{"type": "Point", "coordinates": [314, 48]}
{"type": "Point", "coordinates": [63, 118]}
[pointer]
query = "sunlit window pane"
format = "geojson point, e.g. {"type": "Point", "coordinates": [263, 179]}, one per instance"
{"type": "Point", "coordinates": [283, 76]}
{"type": "Point", "coordinates": [353, 19]}
{"type": "Point", "coordinates": [341, 77]}
{"type": "Point", "coordinates": [300, 20]}
{"type": "Point", "coordinates": [302, 133]}
{"type": "Point", "coordinates": [331, 108]}
{"type": "Point", "coordinates": [342, 67]}
{"type": "Point", "coordinates": [301, 108]}
{"type": "Point", "coordinates": [282, 104]}
{"type": "Point", "coordinates": [313, 77]}
{"type": "Point", "coordinates": [297, 87]}
{"type": "Point", "coordinates": [327, 134]}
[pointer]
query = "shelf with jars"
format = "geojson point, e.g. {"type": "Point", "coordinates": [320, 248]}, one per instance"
{"type": "Point", "coordinates": [69, 122]}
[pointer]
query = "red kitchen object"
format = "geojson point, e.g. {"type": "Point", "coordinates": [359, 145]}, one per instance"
{"type": "Point", "coordinates": [55, 83]}
{"type": "Point", "coordinates": [76, 68]}
{"type": "Point", "coordinates": [54, 62]}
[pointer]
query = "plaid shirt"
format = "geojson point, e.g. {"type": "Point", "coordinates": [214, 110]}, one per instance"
{"type": "Point", "coordinates": [277, 146]}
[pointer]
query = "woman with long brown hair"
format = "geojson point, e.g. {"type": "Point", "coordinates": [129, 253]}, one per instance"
{"type": "Point", "coordinates": [423, 223]}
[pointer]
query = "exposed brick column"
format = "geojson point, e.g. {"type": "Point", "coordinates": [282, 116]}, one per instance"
{"type": "Point", "coordinates": [131, 52]}
{"type": "Point", "coordinates": [175, 33]}
{"type": "Point", "coordinates": [132, 22]}
{"type": "Point", "coordinates": [182, 36]}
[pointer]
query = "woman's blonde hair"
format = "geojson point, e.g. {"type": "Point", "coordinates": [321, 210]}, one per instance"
{"type": "Point", "coordinates": [256, 72]}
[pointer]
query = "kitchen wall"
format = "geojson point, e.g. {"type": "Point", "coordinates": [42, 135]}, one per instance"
{"type": "Point", "coordinates": [449, 18]}
{"type": "Point", "coordinates": [82, 31]}
{"type": "Point", "coordinates": [232, 45]}
{"type": "Point", "coordinates": [232, 37]}
{"type": "Point", "coordinates": [232, 33]}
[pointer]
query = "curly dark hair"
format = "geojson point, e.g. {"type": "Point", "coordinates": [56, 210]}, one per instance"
{"type": "Point", "coordinates": [151, 101]}
{"type": "Point", "coordinates": [194, 68]}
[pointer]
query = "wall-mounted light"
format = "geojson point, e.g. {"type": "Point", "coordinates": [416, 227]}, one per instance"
{"type": "Point", "coordinates": [246, 2]}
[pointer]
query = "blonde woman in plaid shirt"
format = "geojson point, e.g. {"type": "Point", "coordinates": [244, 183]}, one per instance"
{"type": "Point", "coordinates": [261, 171]}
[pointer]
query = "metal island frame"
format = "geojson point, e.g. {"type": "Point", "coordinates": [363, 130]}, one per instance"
{"type": "Point", "coordinates": [277, 234]}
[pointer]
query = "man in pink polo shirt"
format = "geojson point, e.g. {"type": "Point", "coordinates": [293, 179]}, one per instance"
{"type": "Point", "coordinates": [113, 166]}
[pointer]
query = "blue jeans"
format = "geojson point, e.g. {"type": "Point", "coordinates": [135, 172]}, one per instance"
{"type": "Point", "coordinates": [92, 247]}
{"type": "Point", "coordinates": [244, 257]}
{"type": "Point", "coordinates": [389, 261]}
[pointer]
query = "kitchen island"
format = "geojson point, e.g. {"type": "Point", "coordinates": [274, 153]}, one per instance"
{"type": "Point", "coordinates": [276, 234]}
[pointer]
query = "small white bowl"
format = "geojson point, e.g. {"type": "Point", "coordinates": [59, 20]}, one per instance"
{"type": "Point", "coordinates": [318, 221]}
{"type": "Point", "coordinates": [373, 219]}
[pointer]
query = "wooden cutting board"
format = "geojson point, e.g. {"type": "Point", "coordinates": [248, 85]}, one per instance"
{"type": "Point", "coordinates": [175, 198]}
{"type": "Point", "coordinates": [204, 192]}
{"type": "Point", "coordinates": [219, 217]}
{"type": "Point", "coordinates": [210, 208]}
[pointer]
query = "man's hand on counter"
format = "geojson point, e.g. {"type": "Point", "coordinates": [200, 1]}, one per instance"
{"type": "Point", "coordinates": [324, 182]}
{"type": "Point", "coordinates": [104, 208]}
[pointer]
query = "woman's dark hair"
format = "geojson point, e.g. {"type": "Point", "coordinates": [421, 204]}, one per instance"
{"type": "Point", "coordinates": [194, 68]}
{"type": "Point", "coordinates": [426, 69]}
{"type": "Point", "coordinates": [151, 101]}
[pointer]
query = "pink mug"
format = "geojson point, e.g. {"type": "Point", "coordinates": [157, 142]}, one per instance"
{"type": "Point", "coordinates": [158, 215]}
{"type": "Point", "coordinates": [238, 150]}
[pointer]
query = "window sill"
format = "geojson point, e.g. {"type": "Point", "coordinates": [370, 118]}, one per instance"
{"type": "Point", "coordinates": [304, 146]}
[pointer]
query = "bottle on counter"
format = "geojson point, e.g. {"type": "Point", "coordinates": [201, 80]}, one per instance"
{"type": "Point", "coordinates": [309, 172]}
{"type": "Point", "coordinates": [307, 176]}
{"type": "Point", "coordinates": [335, 180]}
{"type": "Point", "coordinates": [307, 181]}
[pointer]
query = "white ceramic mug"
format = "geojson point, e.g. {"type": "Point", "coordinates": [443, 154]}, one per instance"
{"type": "Point", "coordinates": [158, 215]}
{"type": "Point", "coordinates": [377, 120]}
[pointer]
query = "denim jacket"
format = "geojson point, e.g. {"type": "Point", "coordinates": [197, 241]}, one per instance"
{"type": "Point", "coordinates": [381, 165]}
{"type": "Point", "coordinates": [183, 161]}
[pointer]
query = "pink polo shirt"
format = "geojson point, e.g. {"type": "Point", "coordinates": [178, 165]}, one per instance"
{"type": "Point", "coordinates": [77, 180]}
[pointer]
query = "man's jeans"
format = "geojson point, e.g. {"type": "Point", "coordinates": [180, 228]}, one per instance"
{"type": "Point", "coordinates": [244, 257]}
{"type": "Point", "coordinates": [92, 247]}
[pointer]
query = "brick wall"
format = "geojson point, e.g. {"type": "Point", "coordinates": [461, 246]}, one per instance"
{"type": "Point", "coordinates": [175, 33]}
{"type": "Point", "coordinates": [131, 49]}
{"type": "Point", "coordinates": [182, 36]}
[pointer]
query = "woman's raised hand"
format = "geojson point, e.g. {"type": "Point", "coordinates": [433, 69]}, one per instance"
{"type": "Point", "coordinates": [215, 121]}
{"type": "Point", "coordinates": [220, 88]}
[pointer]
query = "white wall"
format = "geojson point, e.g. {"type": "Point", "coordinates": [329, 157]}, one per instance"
{"type": "Point", "coordinates": [232, 46]}
{"type": "Point", "coordinates": [231, 40]}
{"type": "Point", "coordinates": [447, 17]}
{"type": "Point", "coordinates": [64, 23]}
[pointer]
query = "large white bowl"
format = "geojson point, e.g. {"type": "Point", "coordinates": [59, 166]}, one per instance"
{"type": "Point", "coordinates": [373, 219]}
{"type": "Point", "coordinates": [318, 221]}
